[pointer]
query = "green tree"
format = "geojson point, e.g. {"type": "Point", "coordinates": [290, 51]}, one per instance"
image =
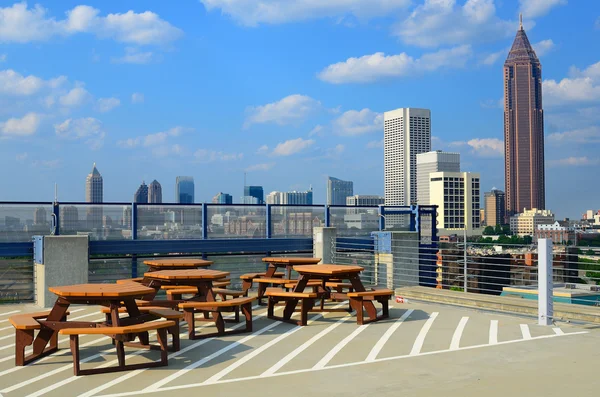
{"type": "Point", "coordinates": [498, 230]}
{"type": "Point", "coordinates": [527, 240]}
{"type": "Point", "coordinates": [488, 231]}
{"type": "Point", "coordinates": [506, 229]}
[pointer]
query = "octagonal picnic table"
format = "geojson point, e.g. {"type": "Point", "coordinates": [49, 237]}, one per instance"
{"type": "Point", "coordinates": [112, 296]}
{"type": "Point", "coordinates": [202, 279]}
{"type": "Point", "coordinates": [176, 264]}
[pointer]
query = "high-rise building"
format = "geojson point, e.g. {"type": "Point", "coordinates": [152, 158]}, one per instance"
{"type": "Point", "coordinates": [526, 223]}
{"type": "Point", "coordinates": [523, 127]}
{"type": "Point", "coordinates": [495, 207]}
{"type": "Point", "coordinates": [93, 186]}
{"type": "Point", "coordinates": [40, 216]}
{"type": "Point", "coordinates": [184, 189]}
{"type": "Point", "coordinates": [299, 198]}
{"type": "Point", "coordinates": [256, 192]}
{"type": "Point", "coordinates": [222, 198]}
{"type": "Point", "coordinates": [155, 193]}
{"type": "Point", "coordinates": [407, 132]}
{"type": "Point", "coordinates": [250, 200]}
{"type": "Point", "coordinates": [359, 200]}
{"type": "Point", "coordinates": [433, 162]}
{"type": "Point", "coordinates": [338, 190]}
{"type": "Point", "coordinates": [141, 194]}
{"type": "Point", "coordinates": [457, 196]}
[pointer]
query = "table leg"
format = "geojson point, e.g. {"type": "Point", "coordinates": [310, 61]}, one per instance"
{"type": "Point", "coordinates": [45, 335]}
{"type": "Point", "coordinates": [271, 271]}
{"type": "Point", "coordinates": [290, 305]}
{"type": "Point", "coordinates": [359, 287]}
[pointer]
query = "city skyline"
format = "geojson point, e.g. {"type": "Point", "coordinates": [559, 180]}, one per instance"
{"type": "Point", "coordinates": [128, 95]}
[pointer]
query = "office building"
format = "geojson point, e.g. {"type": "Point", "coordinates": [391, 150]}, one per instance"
{"type": "Point", "coordinates": [495, 208]}
{"type": "Point", "coordinates": [433, 162]}
{"type": "Point", "coordinates": [523, 128]}
{"type": "Point", "coordinates": [561, 232]}
{"type": "Point", "coordinates": [250, 200]}
{"type": "Point", "coordinates": [40, 216]}
{"type": "Point", "coordinates": [359, 200]}
{"type": "Point", "coordinates": [338, 190]}
{"type": "Point", "coordinates": [94, 186]}
{"type": "Point", "coordinates": [256, 192]}
{"type": "Point", "coordinates": [184, 189]}
{"type": "Point", "coordinates": [297, 198]}
{"type": "Point", "coordinates": [141, 194]}
{"type": "Point", "coordinates": [155, 193]}
{"type": "Point", "coordinates": [527, 222]}
{"type": "Point", "coordinates": [222, 198]}
{"type": "Point", "coordinates": [457, 196]}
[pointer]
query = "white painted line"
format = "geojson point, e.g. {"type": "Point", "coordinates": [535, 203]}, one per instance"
{"type": "Point", "coordinates": [264, 347]}
{"type": "Point", "coordinates": [7, 313]}
{"type": "Point", "coordinates": [3, 321]}
{"type": "Point", "coordinates": [387, 335]}
{"type": "Point", "coordinates": [558, 331]}
{"type": "Point", "coordinates": [525, 331]}
{"type": "Point", "coordinates": [5, 328]}
{"type": "Point", "coordinates": [493, 332]}
{"type": "Point", "coordinates": [131, 374]}
{"type": "Point", "coordinates": [416, 349]}
{"type": "Point", "coordinates": [354, 364]}
{"type": "Point", "coordinates": [336, 349]}
{"type": "Point", "coordinates": [184, 371]}
{"type": "Point", "coordinates": [455, 343]}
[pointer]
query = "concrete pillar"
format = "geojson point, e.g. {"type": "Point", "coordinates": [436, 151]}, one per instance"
{"type": "Point", "coordinates": [396, 259]}
{"type": "Point", "coordinates": [324, 243]}
{"type": "Point", "coordinates": [59, 260]}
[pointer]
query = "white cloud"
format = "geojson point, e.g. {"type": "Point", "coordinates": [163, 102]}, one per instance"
{"type": "Point", "coordinates": [375, 144]}
{"type": "Point", "coordinates": [2, 58]}
{"type": "Point", "coordinates": [574, 162]}
{"type": "Point", "coordinates": [260, 167]}
{"type": "Point", "coordinates": [169, 150]}
{"type": "Point", "coordinates": [27, 125]}
{"type": "Point", "coordinates": [543, 47]}
{"type": "Point", "coordinates": [21, 157]}
{"type": "Point", "coordinates": [88, 129]}
{"type": "Point", "coordinates": [581, 86]}
{"type": "Point", "coordinates": [75, 97]}
{"type": "Point", "coordinates": [264, 149]}
{"type": "Point", "coordinates": [355, 122]}
{"type": "Point", "coordinates": [443, 22]}
{"type": "Point", "coordinates": [158, 138]}
{"type": "Point", "coordinates": [291, 109]}
{"type": "Point", "coordinates": [583, 135]}
{"type": "Point", "coordinates": [134, 55]}
{"type": "Point", "coordinates": [493, 57]}
{"type": "Point", "coordinates": [292, 146]}
{"type": "Point", "coordinates": [318, 130]}
{"type": "Point", "coordinates": [492, 103]}
{"type": "Point", "coordinates": [14, 83]}
{"type": "Point", "coordinates": [136, 97]}
{"type": "Point", "coordinates": [255, 12]}
{"type": "Point", "coordinates": [378, 66]}
{"type": "Point", "coordinates": [208, 156]}
{"type": "Point", "coordinates": [46, 163]}
{"type": "Point", "coordinates": [107, 104]}
{"type": "Point", "coordinates": [538, 8]}
{"type": "Point", "coordinates": [20, 24]}
{"type": "Point", "coordinates": [335, 152]}
{"type": "Point", "coordinates": [483, 147]}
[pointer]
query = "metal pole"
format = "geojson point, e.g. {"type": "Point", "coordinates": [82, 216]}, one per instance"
{"type": "Point", "coordinates": [465, 273]}
{"type": "Point", "coordinates": [545, 282]}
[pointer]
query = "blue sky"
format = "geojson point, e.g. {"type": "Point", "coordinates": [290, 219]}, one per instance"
{"type": "Point", "coordinates": [287, 91]}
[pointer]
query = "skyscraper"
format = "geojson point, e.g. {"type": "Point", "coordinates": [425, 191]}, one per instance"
{"type": "Point", "coordinates": [433, 162]}
{"type": "Point", "coordinates": [222, 198]}
{"type": "Point", "coordinates": [523, 127]}
{"type": "Point", "coordinates": [93, 186]}
{"type": "Point", "coordinates": [298, 198]}
{"type": "Point", "coordinates": [256, 192]}
{"type": "Point", "coordinates": [141, 194]}
{"type": "Point", "coordinates": [338, 190]}
{"type": "Point", "coordinates": [184, 189]}
{"type": "Point", "coordinates": [495, 206]}
{"type": "Point", "coordinates": [407, 132]}
{"type": "Point", "coordinates": [155, 193]}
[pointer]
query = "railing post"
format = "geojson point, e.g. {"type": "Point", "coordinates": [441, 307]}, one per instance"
{"type": "Point", "coordinates": [134, 272]}
{"type": "Point", "coordinates": [268, 232]}
{"type": "Point", "coordinates": [56, 216]}
{"type": "Point", "coordinates": [381, 212]}
{"type": "Point", "coordinates": [204, 221]}
{"type": "Point", "coordinates": [545, 282]}
{"type": "Point", "coordinates": [327, 216]}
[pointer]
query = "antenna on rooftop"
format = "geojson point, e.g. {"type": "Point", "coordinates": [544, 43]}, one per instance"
{"type": "Point", "coordinates": [55, 193]}
{"type": "Point", "coordinates": [521, 21]}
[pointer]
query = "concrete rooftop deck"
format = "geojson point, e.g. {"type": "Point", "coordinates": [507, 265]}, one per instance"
{"type": "Point", "coordinates": [423, 350]}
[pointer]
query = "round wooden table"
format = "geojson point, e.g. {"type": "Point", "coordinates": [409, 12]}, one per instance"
{"type": "Point", "coordinates": [176, 264]}
{"type": "Point", "coordinates": [199, 278]}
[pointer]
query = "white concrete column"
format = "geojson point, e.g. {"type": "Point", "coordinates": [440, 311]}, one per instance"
{"type": "Point", "coordinates": [545, 282]}
{"type": "Point", "coordinates": [64, 262]}
{"type": "Point", "coordinates": [324, 243]}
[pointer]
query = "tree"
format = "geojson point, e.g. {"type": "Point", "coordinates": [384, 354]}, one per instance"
{"type": "Point", "coordinates": [498, 230]}
{"type": "Point", "coordinates": [488, 231]}
{"type": "Point", "coordinates": [527, 240]}
{"type": "Point", "coordinates": [506, 229]}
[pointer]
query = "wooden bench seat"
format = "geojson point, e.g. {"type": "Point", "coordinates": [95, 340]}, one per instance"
{"type": "Point", "coordinates": [311, 283]}
{"type": "Point", "coordinates": [285, 294]}
{"type": "Point", "coordinates": [120, 335]}
{"type": "Point", "coordinates": [382, 296]}
{"type": "Point", "coordinates": [339, 285]}
{"type": "Point", "coordinates": [25, 326]}
{"type": "Point", "coordinates": [273, 280]}
{"type": "Point", "coordinates": [252, 276]}
{"type": "Point", "coordinates": [276, 295]}
{"type": "Point", "coordinates": [130, 280]}
{"type": "Point", "coordinates": [216, 309]}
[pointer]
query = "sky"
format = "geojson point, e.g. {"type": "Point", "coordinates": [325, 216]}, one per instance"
{"type": "Point", "coordinates": [287, 92]}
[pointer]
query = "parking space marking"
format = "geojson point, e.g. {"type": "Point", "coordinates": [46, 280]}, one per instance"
{"type": "Point", "coordinates": [455, 343]}
{"type": "Point", "coordinates": [525, 331]}
{"type": "Point", "coordinates": [387, 335]}
{"type": "Point", "coordinates": [418, 345]}
{"type": "Point", "coordinates": [493, 332]}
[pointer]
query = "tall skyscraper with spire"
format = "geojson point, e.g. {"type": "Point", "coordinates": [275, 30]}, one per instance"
{"type": "Point", "coordinates": [94, 186]}
{"type": "Point", "coordinates": [523, 127]}
{"type": "Point", "coordinates": [155, 193]}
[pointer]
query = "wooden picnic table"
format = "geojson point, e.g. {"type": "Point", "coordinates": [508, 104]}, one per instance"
{"type": "Point", "coordinates": [326, 272]}
{"type": "Point", "coordinates": [202, 279]}
{"type": "Point", "coordinates": [288, 263]}
{"type": "Point", "coordinates": [176, 264]}
{"type": "Point", "coordinates": [112, 296]}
